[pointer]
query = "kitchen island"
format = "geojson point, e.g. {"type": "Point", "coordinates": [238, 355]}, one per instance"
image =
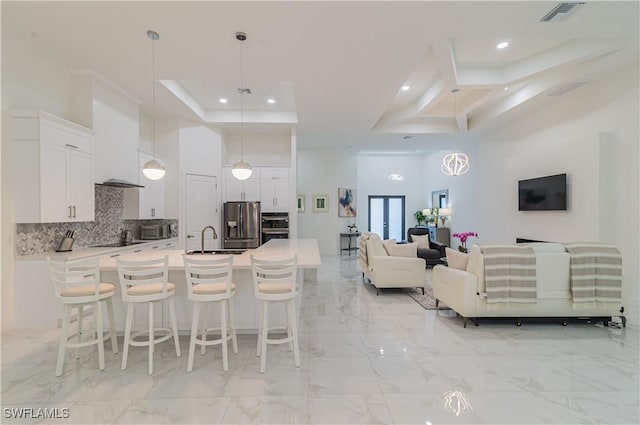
{"type": "Point", "coordinates": [49, 308]}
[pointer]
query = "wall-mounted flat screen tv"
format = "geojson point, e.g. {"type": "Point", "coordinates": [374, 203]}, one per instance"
{"type": "Point", "coordinates": [543, 193]}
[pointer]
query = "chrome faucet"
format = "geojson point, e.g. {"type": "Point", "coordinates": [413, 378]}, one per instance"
{"type": "Point", "coordinates": [215, 236]}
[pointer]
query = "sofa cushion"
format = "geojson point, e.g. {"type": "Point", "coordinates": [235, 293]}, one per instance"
{"type": "Point", "coordinates": [457, 260]}
{"type": "Point", "coordinates": [402, 250]}
{"type": "Point", "coordinates": [422, 240]}
{"type": "Point", "coordinates": [387, 243]}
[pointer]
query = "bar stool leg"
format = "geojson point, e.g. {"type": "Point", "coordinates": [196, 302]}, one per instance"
{"type": "Point", "coordinates": [63, 338]}
{"type": "Point", "coordinates": [294, 329]}
{"type": "Point", "coordinates": [112, 322]}
{"type": "Point", "coordinates": [127, 336]}
{"type": "Point", "coordinates": [223, 336]}
{"type": "Point", "coordinates": [151, 338]}
{"type": "Point", "coordinates": [97, 310]}
{"type": "Point", "coordinates": [265, 334]}
{"type": "Point", "coordinates": [79, 337]}
{"type": "Point", "coordinates": [232, 325]}
{"type": "Point", "coordinates": [194, 334]}
{"type": "Point", "coordinates": [174, 325]}
{"type": "Point", "coordinates": [203, 338]}
{"type": "Point", "coordinates": [260, 324]}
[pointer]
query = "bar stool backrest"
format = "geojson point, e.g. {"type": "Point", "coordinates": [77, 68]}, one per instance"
{"type": "Point", "coordinates": [208, 270]}
{"type": "Point", "coordinates": [72, 274]}
{"type": "Point", "coordinates": [143, 272]}
{"type": "Point", "coordinates": [274, 276]}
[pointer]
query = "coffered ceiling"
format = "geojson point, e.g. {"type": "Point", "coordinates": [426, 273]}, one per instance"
{"type": "Point", "coordinates": [335, 70]}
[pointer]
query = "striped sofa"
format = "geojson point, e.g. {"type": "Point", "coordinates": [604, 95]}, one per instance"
{"type": "Point", "coordinates": [560, 272]}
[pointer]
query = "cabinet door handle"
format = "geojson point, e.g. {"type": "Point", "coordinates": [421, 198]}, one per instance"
{"type": "Point", "coordinates": [69, 211]}
{"type": "Point", "coordinates": [137, 250]}
{"type": "Point", "coordinates": [115, 255]}
{"type": "Point", "coordinates": [155, 247]}
{"type": "Point", "coordinates": [71, 146]}
{"type": "Point", "coordinates": [74, 211]}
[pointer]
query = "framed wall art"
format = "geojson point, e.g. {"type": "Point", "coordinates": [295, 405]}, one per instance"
{"type": "Point", "coordinates": [320, 203]}
{"type": "Point", "coordinates": [346, 202]}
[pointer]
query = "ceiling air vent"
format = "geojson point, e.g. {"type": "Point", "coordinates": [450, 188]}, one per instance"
{"type": "Point", "coordinates": [561, 11]}
{"type": "Point", "coordinates": [559, 91]}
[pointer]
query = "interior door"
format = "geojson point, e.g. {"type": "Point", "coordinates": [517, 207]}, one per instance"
{"type": "Point", "coordinates": [201, 203]}
{"type": "Point", "coordinates": [386, 216]}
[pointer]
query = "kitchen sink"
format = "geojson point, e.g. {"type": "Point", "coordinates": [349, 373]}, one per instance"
{"type": "Point", "coordinates": [215, 251]}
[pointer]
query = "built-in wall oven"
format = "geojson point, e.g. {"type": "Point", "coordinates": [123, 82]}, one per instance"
{"type": "Point", "coordinates": [275, 225]}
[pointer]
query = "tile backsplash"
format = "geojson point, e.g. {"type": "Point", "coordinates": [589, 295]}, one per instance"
{"type": "Point", "coordinates": [39, 238]}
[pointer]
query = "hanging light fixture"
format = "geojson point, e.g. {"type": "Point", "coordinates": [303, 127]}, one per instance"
{"type": "Point", "coordinates": [456, 163]}
{"type": "Point", "coordinates": [153, 170]}
{"type": "Point", "coordinates": [241, 170]}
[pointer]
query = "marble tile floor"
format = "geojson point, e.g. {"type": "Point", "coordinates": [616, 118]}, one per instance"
{"type": "Point", "coordinates": [364, 359]}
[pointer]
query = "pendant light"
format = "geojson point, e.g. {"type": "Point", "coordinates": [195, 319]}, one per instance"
{"type": "Point", "coordinates": [456, 163]}
{"type": "Point", "coordinates": [153, 170]}
{"type": "Point", "coordinates": [241, 170]}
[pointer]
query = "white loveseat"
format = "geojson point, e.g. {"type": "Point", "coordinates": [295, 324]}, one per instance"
{"type": "Point", "coordinates": [390, 265]}
{"type": "Point", "coordinates": [464, 290]}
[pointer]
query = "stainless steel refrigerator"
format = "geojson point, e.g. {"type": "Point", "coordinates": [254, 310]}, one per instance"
{"type": "Point", "coordinates": [241, 224]}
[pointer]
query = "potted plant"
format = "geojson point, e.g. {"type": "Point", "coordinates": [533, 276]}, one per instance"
{"type": "Point", "coordinates": [420, 217]}
{"type": "Point", "coordinates": [353, 228]}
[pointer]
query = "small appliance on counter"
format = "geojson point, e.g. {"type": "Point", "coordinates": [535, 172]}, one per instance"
{"type": "Point", "coordinates": [156, 231]}
{"type": "Point", "coordinates": [66, 243]}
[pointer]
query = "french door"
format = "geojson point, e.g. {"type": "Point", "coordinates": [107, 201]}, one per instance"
{"type": "Point", "coordinates": [386, 216]}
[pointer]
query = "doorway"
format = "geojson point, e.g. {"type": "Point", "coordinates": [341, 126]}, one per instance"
{"type": "Point", "coordinates": [201, 210]}
{"type": "Point", "coordinates": [386, 216]}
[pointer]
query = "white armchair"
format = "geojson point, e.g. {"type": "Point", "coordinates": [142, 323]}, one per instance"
{"type": "Point", "coordinates": [390, 265]}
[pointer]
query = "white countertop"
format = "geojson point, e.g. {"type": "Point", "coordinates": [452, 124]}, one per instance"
{"type": "Point", "coordinates": [307, 250]}
{"type": "Point", "coordinates": [93, 251]}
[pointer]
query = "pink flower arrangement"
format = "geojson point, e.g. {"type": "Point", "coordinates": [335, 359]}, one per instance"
{"type": "Point", "coordinates": [463, 239]}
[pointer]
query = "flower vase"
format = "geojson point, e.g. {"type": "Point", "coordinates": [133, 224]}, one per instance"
{"type": "Point", "coordinates": [462, 248]}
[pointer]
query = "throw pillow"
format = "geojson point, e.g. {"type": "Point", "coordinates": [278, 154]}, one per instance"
{"type": "Point", "coordinates": [388, 243]}
{"type": "Point", "coordinates": [403, 250]}
{"type": "Point", "coordinates": [423, 241]}
{"type": "Point", "coordinates": [457, 260]}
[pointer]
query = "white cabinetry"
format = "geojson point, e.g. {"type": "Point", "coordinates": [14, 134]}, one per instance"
{"type": "Point", "coordinates": [241, 190]}
{"type": "Point", "coordinates": [275, 190]}
{"type": "Point", "coordinates": [147, 202]}
{"type": "Point", "coordinates": [54, 169]}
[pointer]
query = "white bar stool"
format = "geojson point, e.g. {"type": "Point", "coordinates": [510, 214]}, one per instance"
{"type": "Point", "coordinates": [209, 279]}
{"type": "Point", "coordinates": [76, 284]}
{"type": "Point", "coordinates": [275, 281]}
{"type": "Point", "coordinates": [147, 281]}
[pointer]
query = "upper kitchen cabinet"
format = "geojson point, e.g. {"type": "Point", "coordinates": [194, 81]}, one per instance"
{"type": "Point", "coordinates": [147, 202]}
{"type": "Point", "coordinates": [54, 172]}
{"type": "Point", "coordinates": [241, 190]}
{"type": "Point", "coordinates": [274, 184]}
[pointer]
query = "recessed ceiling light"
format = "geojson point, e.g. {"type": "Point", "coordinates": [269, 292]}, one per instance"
{"type": "Point", "coordinates": [506, 88]}
{"type": "Point", "coordinates": [223, 100]}
{"type": "Point", "coordinates": [502, 44]}
{"type": "Point", "coordinates": [405, 88]}
{"type": "Point", "coordinates": [397, 178]}
{"type": "Point", "coordinates": [271, 101]}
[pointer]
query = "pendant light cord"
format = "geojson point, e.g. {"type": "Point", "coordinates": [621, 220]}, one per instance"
{"type": "Point", "coordinates": [153, 95]}
{"type": "Point", "coordinates": [241, 103]}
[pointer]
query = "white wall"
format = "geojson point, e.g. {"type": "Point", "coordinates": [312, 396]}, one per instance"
{"type": "Point", "coordinates": [30, 80]}
{"type": "Point", "coordinates": [259, 149]}
{"type": "Point", "coordinates": [573, 137]}
{"type": "Point", "coordinates": [200, 153]}
{"type": "Point", "coordinates": [373, 179]}
{"type": "Point", "coordinates": [322, 172]}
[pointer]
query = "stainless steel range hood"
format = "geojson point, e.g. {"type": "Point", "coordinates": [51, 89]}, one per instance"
{"type": "Point", "coordinates": [119, 183]}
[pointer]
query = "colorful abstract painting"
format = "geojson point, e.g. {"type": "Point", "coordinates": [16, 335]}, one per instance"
{"type": "Point", "coordinates": [346, 202]}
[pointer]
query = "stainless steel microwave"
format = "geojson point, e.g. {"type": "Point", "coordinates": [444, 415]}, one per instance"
{"type": "Point", "coordinates": [159, 231]}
